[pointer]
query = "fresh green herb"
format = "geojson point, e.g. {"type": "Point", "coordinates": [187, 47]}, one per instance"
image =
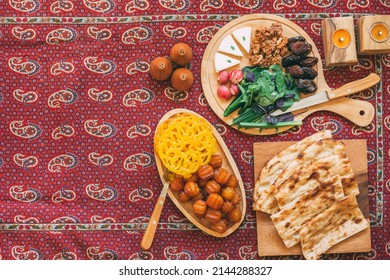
{"type": "Point", "coordinates": [262, 91]}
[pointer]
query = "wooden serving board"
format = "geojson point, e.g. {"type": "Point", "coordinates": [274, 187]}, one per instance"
{"type": "Point", "coordinates": [227, 162]}
{"type": "Point", "coordinates": [268, 240]}
{"type": "Point", "coordinates": [358, 111]}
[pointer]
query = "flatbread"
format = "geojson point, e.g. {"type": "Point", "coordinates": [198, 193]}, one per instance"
{"type": "Point", "coordinates": [321, 170]}
{"type": "Point", "coordinates": [290, 219]}
{"type": "Point", "coordinates": [340, 221]}
{"type": "Point", "coordinates": [263, 197]}
{"type": "Point", "coordinates": [320, 149]}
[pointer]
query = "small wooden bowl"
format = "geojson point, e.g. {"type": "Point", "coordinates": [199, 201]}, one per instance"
{"type": "Point", "coordinates": [228, 164]}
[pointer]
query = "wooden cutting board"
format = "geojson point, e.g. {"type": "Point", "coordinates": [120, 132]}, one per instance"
{"type": "Point", "coordinates": [268, 240]}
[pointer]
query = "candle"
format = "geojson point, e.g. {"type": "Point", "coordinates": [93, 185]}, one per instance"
{"type": "Point", "coordinates": [379, 32]}
{"type": "Point", "coordinates": [341, 38]}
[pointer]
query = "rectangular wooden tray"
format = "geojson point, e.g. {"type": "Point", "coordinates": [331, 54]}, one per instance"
{"type": "Point", "coordinates": [268, 240]}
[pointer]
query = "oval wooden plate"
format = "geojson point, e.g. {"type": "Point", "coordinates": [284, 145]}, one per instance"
{"type": "Point", "coordinates": [228, 164]}
{"type": "Point", "coordinates": [348, 108]}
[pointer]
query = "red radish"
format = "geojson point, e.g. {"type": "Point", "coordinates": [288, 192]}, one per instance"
{"type": "Point", "coordinates": [236, 76]}
{"type": "Point", "coordinates": [224, 92]}
{"type": "Point", "coordinates": [223, 77]}
{"type": "Point", "coordinates": [234, 89]}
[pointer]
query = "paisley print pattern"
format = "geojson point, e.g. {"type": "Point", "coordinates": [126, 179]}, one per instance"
{"type": "Point", "coordinates": [138, 130]}
{"type": "Point", "coordinates": [63, 162]}
{"type": "Point", "coordinates": [25, 97]}
{"type": "Point", "coordinates": [24, 34]}
{"type": "Point", "coordinates": [99, 219]}
{"type": "Point", "coordinates": [175, 5]}
{"type": "Point", "coordinates": [63, 195]}
{"type": "Point", "coordinates": [249, 4]}
{"type": "Point", "coordinates": [319, 123]}
{"type": "Point", "coordinates": [323, 3]}
{"type": "Point", "coordinates": [100, 129]}
{"type": "Point", "coordinates": [99, 34]}
{"type": "Point", "coordinates": [173, 32]}
{"type": "Point", "coordinates": [64, 130]}
{"type": "Point", "coordinates": [281, 4]}
{"type": "Point", "coordinates": [96, 253]}
{"type": "Point", "coordinates": [385, 3]}
{"type": "Point", "coordinates": [354, 4]}
{"type": "Point", "coordinates": [136, 34]}
{"type": "Point", "coordinates": [316, 28]}
{"type": "Point", "coordinates": [23, 253]}
{"type": "Point", "coordinates": [20, 219]}
{"type": "Point", "coordinates": [173, 253]}
{"type": "Point", "coordinates": [101, 6]}
{"type": "Point", "coordinates": [136, 5]}
{"type": "Point", "coordinates": [363, 64]}
{"type": "Point", "coordinates": [24, 66]}
{"type": "Point", "coordinates": [202, 100]}
{"type": "Point", "coordinates": [205, 34]}
{"type": "Point", "coordinates": [221, 129]}
{"type": "Point", "coordinates": [46, 67]}
{"type": "Point", "coordinates": [140, 193]}
{"type": "Point", "coordinates": [141, 255]}
{"type": "Point", "coordinates": [142, 96]}
{"type": "Point", "coordinates": [218, 255]}
{"type": "Point", "coordinates": [247, 157]}
{"type": "Point", "coordinates": [100, 160]}
{"type": "Point", "coordinates": [386, 60]}
{"type": "Point", "coordinates": [207, 5]}
{"type": "Point", "coordinates": [358, 130]}
{"type": "Point", "coordinates": [101, 193]}
{"type": "Point", "coordinates": [70, 219]}
{"type": "Point", "coordinates": [387, 122]}
{"type": "Point", "coordinates": [61, 35]}
{"type": "Point", "coordinates": [247, 252]}
{"type": "Point", "coordinates": [99, 66]}
{"type": "Point", "coordinates": [61, 67]}
{"type": "Point", "coordinates": [25, 161]}
{"type": "Point", "coordinates": [138, 161]}
{"type": "Point", "coordinates": [65, 256]}
{"type": "Point", "coordinates": [100, 96]}
{"type": "Point", "coordinates": [28, 6]}
{"type": "Point", "coordinates": [22, 194]}
{"type": "Point", "coordinates": [61, 6]}
{"type": "Point", "coordinates": [137, 66]}
{"type": "Point", "coordinates": [66, 97]}
{"type": "Point", "coordinates": [30, 131]}
{"type": "Point", "coordinates": [176, 95]}
{"type": "Point", "coordinates": [365, 256]}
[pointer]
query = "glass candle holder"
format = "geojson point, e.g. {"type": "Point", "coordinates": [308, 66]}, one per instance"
{"type": "Point", "coordinates": [341, 38]}
{"type": "Point", "coordinates": [379, 32]}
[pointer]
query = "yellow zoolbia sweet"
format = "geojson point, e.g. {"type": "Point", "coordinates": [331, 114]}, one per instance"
{"type": "Point", "coordinates": [184, 143]}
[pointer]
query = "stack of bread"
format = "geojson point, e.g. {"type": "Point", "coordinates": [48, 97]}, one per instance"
{"type": "Point", "coordinates": [309, 189]}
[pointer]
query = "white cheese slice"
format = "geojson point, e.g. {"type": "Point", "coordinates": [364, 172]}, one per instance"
{"type": "Point", "coordinates": [222, 62]}
{"type": "Point", "coordinates": [243, 37]}
{"type": "Point", "coordinates": [229, 46]}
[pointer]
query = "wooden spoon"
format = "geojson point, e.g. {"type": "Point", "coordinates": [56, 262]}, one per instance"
{"type": "Point", "coordinates": [148, 237]}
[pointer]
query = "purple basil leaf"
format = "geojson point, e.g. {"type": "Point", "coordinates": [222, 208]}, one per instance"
{"type": "Point", "coordinates": [287, 117]}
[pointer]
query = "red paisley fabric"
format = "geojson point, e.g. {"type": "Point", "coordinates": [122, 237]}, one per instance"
{"type": "Point", "coordinates": [78, 111]}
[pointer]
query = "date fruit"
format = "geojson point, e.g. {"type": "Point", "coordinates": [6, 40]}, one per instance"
{"type": "Point", "coordinates": [308, 61]}
{"type": "Point", "coordinates": [293, 40]}
{"type": "Point", "coordinates": [306, 86]}
{"type": "Point", "coordinates": [295, 71]}
{"type": "Point", "coordinates": [290, 60]}
{"type": "Point", "coordinates": [309, 73]}
{"type": "Point", "coordinates": [301, 48]}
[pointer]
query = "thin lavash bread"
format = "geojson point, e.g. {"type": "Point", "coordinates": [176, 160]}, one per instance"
{"type": "Point", "coordinates": [263, 197]}
{"type": "Point", "coordinates": [321, 170]}
{"type": "Point", "coordinates": [291, 218]}
{"type": "Point", "coordinates": [340, 221]}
